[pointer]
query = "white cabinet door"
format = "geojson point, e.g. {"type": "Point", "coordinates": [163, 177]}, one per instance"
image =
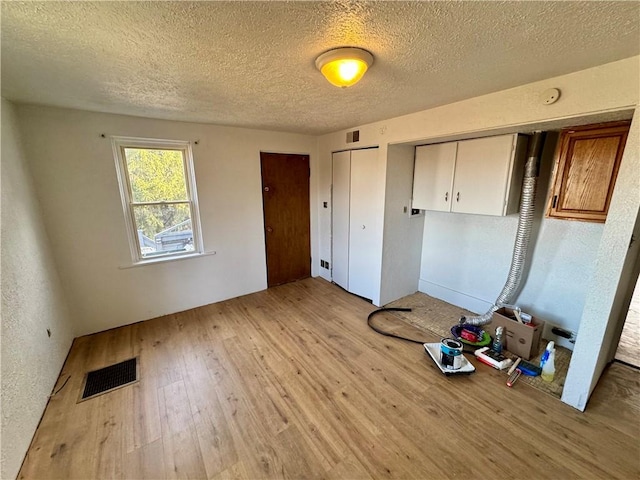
{"type": "Point", "coordinates": [363, 247]}
{"type": "Point", "coordinates": [340, 218]}
{"type": "Point", "coordinates": [433, 176]}
{"type": "Point", "coordinates": [482, 175]}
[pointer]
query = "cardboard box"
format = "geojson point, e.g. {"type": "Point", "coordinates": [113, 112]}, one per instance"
{"type": "Point", "coordinates": [518, 338]}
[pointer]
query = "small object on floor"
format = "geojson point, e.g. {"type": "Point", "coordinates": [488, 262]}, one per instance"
{"type": "Point", "coordinates": [470, 336]}
{"type": "Point", "coordinates": [549, 369]}
{"type": "Point", "coordinates": [545, 354]}
{"type": "Point", "coordinates": [513, 377]}
{"type": "Point", "coordinates": [484, 337]}
{"type": "Point", "coordinates": [433, 349]}
{"type": "Point", "coordinates": [514, 366]}
{"type": "Point", "coordinates": [493, 359]}
{"type": "Point", "coordinates": [529, 369]}
{"type": "Point", "coordinates": [451, 353]}
{"type": "Point", "coordinates": [496, 346]}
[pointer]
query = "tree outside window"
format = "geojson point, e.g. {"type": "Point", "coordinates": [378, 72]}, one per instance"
{"type": "Point", "coordinates": [158, 194]}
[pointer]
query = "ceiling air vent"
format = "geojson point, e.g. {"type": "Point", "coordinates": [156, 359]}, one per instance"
{"type": "Point", "coordinates": [353, 137]}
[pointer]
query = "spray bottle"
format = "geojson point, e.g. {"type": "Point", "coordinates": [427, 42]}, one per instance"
{"type": "Point", "coordinates": [545, 354]}
{"type": "Point", "coordinates": [496, 346]}
{"type": "Point", "coordinates": [549, 368]}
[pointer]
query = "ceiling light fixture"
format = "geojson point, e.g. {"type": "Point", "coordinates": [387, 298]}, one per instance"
{"type": "Point", "coordinates": [344, 66]}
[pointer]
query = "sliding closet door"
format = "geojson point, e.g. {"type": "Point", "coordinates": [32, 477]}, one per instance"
{"type": "Point", "coordinates": [340, 218]}
{"type": "Point", "coordinates": [363, 249]}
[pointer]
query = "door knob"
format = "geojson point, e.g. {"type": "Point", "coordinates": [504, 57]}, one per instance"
{"type": "Point", "coordinates": [266, 189]}
{"type": "Point", "coordinates": [269, 230]}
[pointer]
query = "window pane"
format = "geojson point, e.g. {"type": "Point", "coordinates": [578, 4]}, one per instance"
{"type": "Point", "coordinates": [156, 175]}
{"type": "Point", "coordinates": [163, 229]}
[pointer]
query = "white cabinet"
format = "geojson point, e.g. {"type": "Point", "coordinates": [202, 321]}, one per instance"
{"type": "Point", "coordinates": [354, 230]}
{"type": "Point", "coordinates": [433, 176]}
{"type": "Point", "coordinates": [481, 176]}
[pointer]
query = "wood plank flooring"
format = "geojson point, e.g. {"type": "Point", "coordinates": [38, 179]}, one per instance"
{"type": "Point", "coordinates": [291, 383]}
{"type": "Point", "coordinates": [629, 346]}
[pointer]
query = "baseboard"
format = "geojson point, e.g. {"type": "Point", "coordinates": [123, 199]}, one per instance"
{"type": "Point", "coordinates": [453, 297]}
{"type": "Point", "coordinates": [326, 274]}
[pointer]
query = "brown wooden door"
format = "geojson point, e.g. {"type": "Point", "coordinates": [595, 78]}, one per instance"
{"type": "Point", "coordinates": [285, 198]}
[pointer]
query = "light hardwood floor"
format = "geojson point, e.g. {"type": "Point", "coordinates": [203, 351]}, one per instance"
{"type": "Point", "coordinates": [291, 383]}
{"type": "Point", "coordinates": [629, 346]}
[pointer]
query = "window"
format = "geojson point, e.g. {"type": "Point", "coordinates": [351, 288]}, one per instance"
{"type": "Point", "coordinates": [159, 198]}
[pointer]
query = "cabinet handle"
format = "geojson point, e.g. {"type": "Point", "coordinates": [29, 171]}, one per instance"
{"type": "Point", "coordinates": [458, 197]}
{"type": "Point", "coordinates": [446, 197]}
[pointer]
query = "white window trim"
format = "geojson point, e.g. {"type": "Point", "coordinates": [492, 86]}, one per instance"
{"type": "Point", "coordinates": [119, 144]}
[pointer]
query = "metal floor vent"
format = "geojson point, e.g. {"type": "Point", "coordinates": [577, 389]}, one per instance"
{"type": "Point", "coordinates": [109, 378]}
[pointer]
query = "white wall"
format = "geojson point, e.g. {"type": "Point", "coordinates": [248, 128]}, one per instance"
{"type": "Point", "coordinates": [75, 178]}
{"type": "Point", "coordinates": [402, 242]}
{"type": "Point", "coordinates": [32, 302]}
{"type": "Point", "coordinates": [565, 253]}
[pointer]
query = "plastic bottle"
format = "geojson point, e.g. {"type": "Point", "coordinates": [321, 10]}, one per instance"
{"type": "Point", "coordinates": [545, 354]}
{"type": "Point", "coordinates": [496, 346]}
{"type": "Point", "coordinates": [549, 368]}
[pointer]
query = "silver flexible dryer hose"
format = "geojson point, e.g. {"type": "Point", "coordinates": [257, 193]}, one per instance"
{"type": "Point", "coordinates": [523, 233]}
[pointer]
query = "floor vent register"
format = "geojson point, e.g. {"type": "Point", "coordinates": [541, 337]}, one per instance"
{"type": "Point", "coordinates": [110, 378]}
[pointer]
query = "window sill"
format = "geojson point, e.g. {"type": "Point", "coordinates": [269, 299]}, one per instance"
{"type": "Point", "coordinates": [156, 261]}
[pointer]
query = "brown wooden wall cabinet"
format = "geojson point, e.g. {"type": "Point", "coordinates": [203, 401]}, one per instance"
{"type": "Point", "coordinates": [586, 167]}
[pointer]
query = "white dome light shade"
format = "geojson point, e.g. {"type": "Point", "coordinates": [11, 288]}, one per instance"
{"type": "Point", "coordinates": [344, 67]}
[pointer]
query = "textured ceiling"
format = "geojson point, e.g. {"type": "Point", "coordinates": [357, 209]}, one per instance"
{"type": "Point", "coordinates": [252, 63]}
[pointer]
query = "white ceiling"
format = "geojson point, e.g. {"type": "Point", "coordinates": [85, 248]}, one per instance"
{"type": "Point", "coordinates": [252, 63]}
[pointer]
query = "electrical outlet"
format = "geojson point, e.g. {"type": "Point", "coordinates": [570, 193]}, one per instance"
{"type": "Point", "coordinates": [324, 264]}
{"type": "Point", "coordinates": [325, 204]}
